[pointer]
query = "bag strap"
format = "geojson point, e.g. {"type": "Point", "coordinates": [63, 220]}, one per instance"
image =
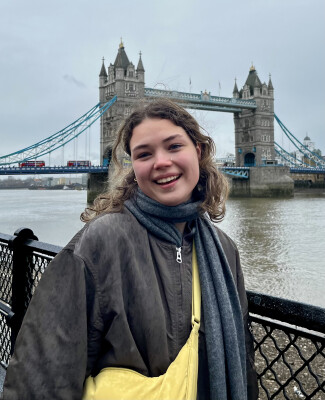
{"type": "Point", "coordinates": [196, 290]}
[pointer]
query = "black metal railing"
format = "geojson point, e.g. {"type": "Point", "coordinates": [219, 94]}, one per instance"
{"type": "Point", "coordinates": [289, 340]}
{"type": "Point", "coordinates": [289, 336]}
{"type": "Point", "coordinates": [23, 259]}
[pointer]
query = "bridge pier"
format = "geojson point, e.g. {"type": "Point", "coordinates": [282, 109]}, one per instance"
{"type": "Point", "coordinates": [97, 183]}
{"type": "Point", "coordinates": [268, 181]}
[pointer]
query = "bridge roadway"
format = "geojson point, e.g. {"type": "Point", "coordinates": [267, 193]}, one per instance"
{"type": "Point", "coordinates": [238, 172]}
{"type": "Point", "coordinates": [303, 170]}
{"type": "Point", "coordinates": [52, 170]}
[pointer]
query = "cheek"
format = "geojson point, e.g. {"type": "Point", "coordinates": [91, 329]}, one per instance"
{"type": "Point", "coordinates": [192, 162]}
{"type": "Point", "coordinates": [195, 171]}
{"type": "Point", "coordinates": [140, 170]}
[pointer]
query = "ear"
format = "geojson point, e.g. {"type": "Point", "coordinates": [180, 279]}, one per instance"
{"type": "Point", "coordinates": [198, 150]}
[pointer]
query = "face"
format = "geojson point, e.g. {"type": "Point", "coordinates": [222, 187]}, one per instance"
{"type": "Point", "coordinates": [165, 161]}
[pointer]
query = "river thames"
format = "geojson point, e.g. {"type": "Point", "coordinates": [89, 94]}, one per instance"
{"type": "Point", "coordinates": [281, 241]}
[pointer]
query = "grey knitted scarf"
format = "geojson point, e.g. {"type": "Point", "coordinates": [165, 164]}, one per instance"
{"type": "Point", "coordinates": [224, 331]}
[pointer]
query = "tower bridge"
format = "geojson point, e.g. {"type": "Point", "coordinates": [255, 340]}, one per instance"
{"type": "Point", "coordinates": [122, 85]}
{"type": "Point", "coordinates": [252, 106]}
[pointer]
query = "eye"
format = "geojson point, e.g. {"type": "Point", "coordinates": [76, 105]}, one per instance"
{"type": "Point", "coordinates": [175, 146]}
{"type": "Point", "coordinates": [142, 155]}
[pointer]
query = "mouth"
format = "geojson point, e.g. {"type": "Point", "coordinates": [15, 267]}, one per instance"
{"type": "Point", "coordinates": [170, 179]}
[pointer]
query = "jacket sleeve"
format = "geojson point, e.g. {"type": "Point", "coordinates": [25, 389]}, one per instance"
{"type": "Point", "coordinates": [50, 356]}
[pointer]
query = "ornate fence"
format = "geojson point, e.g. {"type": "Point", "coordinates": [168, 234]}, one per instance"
{"type": "Point", "coordinates": [289, 347]}
{"type": "Point", "coordinates": [23, 259]}
{"type": "Point", "coordinates": [289, 336]}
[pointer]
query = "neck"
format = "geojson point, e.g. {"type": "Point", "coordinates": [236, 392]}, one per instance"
{"type": "Point", "coordinates": [180, 226]}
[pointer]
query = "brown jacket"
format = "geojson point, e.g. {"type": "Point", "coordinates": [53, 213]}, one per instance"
{"type": "Point", "coordinates": [114, 296]}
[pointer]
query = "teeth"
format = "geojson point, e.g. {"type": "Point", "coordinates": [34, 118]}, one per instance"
{"type": "Point", "coordinates": [169, 179]}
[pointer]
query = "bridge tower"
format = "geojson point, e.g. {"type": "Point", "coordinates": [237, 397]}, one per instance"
{"type": "Point", "coordinates": [254, 129]}
{"type": "Point", "coordinates": [123, 80]}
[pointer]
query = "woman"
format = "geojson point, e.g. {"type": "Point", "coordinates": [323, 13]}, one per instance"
{"type": "Point", "coordinates": [119, 294]}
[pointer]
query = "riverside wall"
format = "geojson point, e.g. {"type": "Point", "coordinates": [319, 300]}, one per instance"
{"type": "Point", "coordinates": [268, 181]}
{"type": "Point", "coordinates": [96, 184]}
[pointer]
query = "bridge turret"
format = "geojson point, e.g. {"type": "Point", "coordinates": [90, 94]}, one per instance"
{"type": "Point", "coordinates": [235, 92]}
{"type": "Point", "coordinates": [140, 76]}
{"type": "Point", "coordinates": [111, 73]}
{"type": "Point", "coordinates": [102, 81]}
{"type": "Point", "coordinates": [254, 129]}
{"type": "Point", "coordinates": [140, 64]}
{"type": "Point", "coordinates": [270, 87]}
{"type": "Point", "coordinates": [121, 60]}
{"type": "Point", "coordinates": [246, 92]}
{"type": "Point", "coordinates": [121, 64]}
{"type": "Point", "coordinates": [103, 73]}
{"type": "Point", "coordinates": [257, 88]}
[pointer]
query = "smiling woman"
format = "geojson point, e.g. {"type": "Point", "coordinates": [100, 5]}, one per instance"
{"type": "Point", "coordinates": [163, 116]}
{"type": "Point", "coordinates": [165, 161]}
{"type": "Point", "coordinates": [124, 295]}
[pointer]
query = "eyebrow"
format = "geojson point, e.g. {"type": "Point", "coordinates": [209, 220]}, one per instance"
{"type": "Point", "coordinates": [168, 139]}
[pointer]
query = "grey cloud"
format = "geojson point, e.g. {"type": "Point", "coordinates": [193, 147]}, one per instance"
{"type": "Point", "coordinates": [74, 81]}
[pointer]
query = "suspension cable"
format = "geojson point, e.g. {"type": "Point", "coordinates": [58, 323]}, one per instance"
{"type": "Point", "coordinates": [60, 138]}
{"type": "Point", "coordinates": [317, 161]}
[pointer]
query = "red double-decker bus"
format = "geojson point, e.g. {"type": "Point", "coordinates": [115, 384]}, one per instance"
{"type": "Point", "coordinates": [77, 163]}
{"type": "Point", "coordinates": [32, 163]}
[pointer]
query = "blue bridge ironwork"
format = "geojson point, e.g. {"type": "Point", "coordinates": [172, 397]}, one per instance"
{"type": "Point", "coordinates": [304, 170]}
{"type": "Point", "coordinates": [203, 101]}
{"type": "Point", "coordinates": [237, 172]}
{"type": "Point", "coordinates": [52, 170]}
{"type": "Point", "coordinates": [307, 157]}
{"type": "Point", "coordinates": [58, 139]}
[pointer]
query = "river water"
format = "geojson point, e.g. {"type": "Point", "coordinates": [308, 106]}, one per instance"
{"type": "Point", "coordinates": [281, 241]}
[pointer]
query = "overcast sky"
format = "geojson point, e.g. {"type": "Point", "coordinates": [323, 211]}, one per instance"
{"type": "Point", "coordinates": [51, 54]}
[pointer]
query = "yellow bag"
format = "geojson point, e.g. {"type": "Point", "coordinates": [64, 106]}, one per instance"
{"type": "Point", "coordinates": [178, 383]}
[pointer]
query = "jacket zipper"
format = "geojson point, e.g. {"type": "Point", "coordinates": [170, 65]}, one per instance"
{"type": "Point", "coordinates": [179, 254]}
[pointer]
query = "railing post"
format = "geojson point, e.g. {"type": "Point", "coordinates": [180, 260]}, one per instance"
{"type": "Point", "coordinates": [21, 259]}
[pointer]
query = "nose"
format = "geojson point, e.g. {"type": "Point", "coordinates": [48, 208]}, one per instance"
{"type": "Point", "coordinates": [162, 160]}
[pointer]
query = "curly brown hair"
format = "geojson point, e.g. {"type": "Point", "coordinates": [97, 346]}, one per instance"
{"type": "Point", "coordinates": [212, 187]}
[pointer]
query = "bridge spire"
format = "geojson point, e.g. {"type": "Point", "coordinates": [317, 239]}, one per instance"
{"type": "Point", "coordinates": [235, 92]}
{"type": "Point", "coordinates": [140, 64]}
{"type": "Point", "coordinates": [103, 73]}
{"type": "Point", "coordinates": [121, 60]}
{"type": "Point", "coordinates": [270, 85]}
{"type": "Point", "coordinates": [253, 81]}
